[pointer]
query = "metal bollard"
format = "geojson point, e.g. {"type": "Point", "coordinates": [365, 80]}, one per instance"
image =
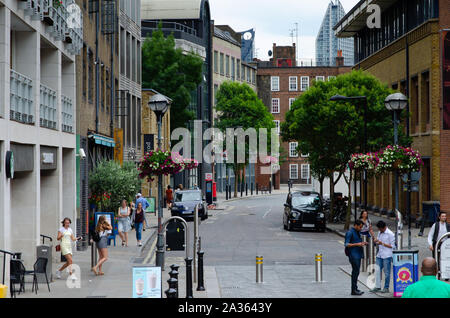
{"type": "Point", "coordinates": [189, 293]}
{"type": "Point", "coordinates": [174, 267]}
{"type": "Point", "coordinates": [371, 255]}
{"type": "Point", "coordinates": [174, 279]}
{"type": "Point", "coordinates": [256, 189]}
{"type": "Point", "coordinates": [171, 293]}
{"type": "Point", "coordinates": [246, 189]}
{"type": "Point", "coordinates": [226, 192]}
{"type": "Point", "coordinates": [201, 285]}
{"type": "Point", "coordinates": [251, 192]}
{"type": "Point", "coordinates": [318, 262]}
{"type": "Point", "coordinates": [365, 256]}
{"type": "Point", "coordinates": [242, 189]}
{"type": "Point", "coordinates": [259, 269]}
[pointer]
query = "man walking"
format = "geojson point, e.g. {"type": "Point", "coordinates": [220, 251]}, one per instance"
{"type": "Point", "coordinates": [437, 230]}
{"type": "Point", "coordinates": [428, 286]}
{"type": "Point", "coordinates": [386, 243]}
{"type": "Point", "coordinates": [354, 251]}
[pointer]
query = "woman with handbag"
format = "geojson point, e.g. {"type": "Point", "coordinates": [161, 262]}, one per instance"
{"type": "Point", "coordinates": [138, 222]}
{"type": "Point", "coordinates": [124, 225]}
{"type": "Point", "coordinates": [103, 228]}
{"type": "Point", "coordinates": [65, 235]}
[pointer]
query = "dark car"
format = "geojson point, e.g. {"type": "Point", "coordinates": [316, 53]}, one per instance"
{"type": "Point", "coordinates": [185, 202]}
{"type": "Point", "coordinates": [304, 210]}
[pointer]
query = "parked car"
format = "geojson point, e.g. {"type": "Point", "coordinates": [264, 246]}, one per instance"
{"type": "Point", "coordinates": [185, 202]}
{"type": "Point", "coordinates": [304, 210]}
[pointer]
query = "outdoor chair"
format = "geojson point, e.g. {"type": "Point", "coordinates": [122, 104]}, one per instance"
{"type": "Point", "coordinates": [39, 267]}
{"type": "Point", "coordinates": [17, 276]}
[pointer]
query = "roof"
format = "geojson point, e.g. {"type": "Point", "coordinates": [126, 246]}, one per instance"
{"type": "Point", "coordinates": [226, 36]}
{"type": "Point", "coordinates": [356, 19]}
{"type": "Point", "coordinates": [171, 9]}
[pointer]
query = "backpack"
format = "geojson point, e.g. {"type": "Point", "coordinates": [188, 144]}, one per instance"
{"type": "Point", "coordinates": [96, 237]}
{"type": "Point", "coordinates": [347, 252]}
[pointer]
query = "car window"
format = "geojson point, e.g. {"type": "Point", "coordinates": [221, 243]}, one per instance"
{"type": "Point", "coordinates": [305, 201]}
{"type": "Point", "coordinates": [187, 196]}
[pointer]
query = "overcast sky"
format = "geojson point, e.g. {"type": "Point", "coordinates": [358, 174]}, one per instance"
{"type": "Point", "coordinates": [273, 20]}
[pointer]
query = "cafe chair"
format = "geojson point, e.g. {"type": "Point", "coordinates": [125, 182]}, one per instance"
{"type": "Point", "coordinates": [39, 267]}
{"type": "Point", "coordinates": [17, 276]}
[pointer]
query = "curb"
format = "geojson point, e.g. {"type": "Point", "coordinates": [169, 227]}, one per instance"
{"type": "Point", "coordinates": [336, 232]}
{"type": "Point", "coordinates": [250, 196]}
{"type": "Point", "coordinates": [147, 241]}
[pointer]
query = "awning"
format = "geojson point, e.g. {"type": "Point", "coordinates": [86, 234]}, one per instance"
{"type": "Point", "coordinates": [103, 140]}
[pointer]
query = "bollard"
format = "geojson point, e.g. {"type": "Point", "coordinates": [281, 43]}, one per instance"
{"type": "Point", "coordinates": [174, 275]}
{"type": "Point", "coordinates": [242, 189]}
{"type": "Point", "coordinates": [174, 267]}
{"type": "Point", "coordinates": [246, 189]}
{"type": "Point", "coordinates": [365, 256]}
{"type": "Point", "coordinates": [226, 192]}
{"type": "Point", "coordinates": [259, 269]}
{"type": "Point", "coordinates": [371, 255]}
{"type": "Point", "coordinates": [201, 285]}
{"type": "Point", "coordinates": [251, 192]}
{"type": "Point", "coordinates": [189, 278]}
{"type": "Point", "coordinates": [256, 189]}
{"type": "Point", "coordinates": [318, 261]}
{"type": "Point", "coordinates": [171, 293]}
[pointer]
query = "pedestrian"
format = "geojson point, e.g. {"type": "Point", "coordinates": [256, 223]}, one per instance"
{"type": "Point", "coordinates": [386, 243]}
{"type": "Point", "coordinates": [354, 251]}
{"type": "Point", "coordinates": [367, 227]}
{"type": "Point", "coordinates": [145, 205]}
{"type": "Point", "coordinates": [124, 223]}
{"type": "Point", "coordinates": [437, 230]}
{"type": "Point", "coordinates": [132, 207]}
{"type": "Point", "coordinates": [103, 228]}
{"type": "Point", "coordinates": [169, 197]}
{"type": "Point", "coordinates": [179, 187]}
{"type": "Point", "coordinates": [65, 235]}
{"type": "Point", "coordinates": [428, 285]}
{"type": "Point", "coordinates": [138, 222]}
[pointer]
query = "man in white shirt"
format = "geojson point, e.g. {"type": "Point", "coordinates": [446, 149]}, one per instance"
{"type": "Point", "coordinates": [386, 243]}
{"type": "Point", "coordinates": [437, 230]}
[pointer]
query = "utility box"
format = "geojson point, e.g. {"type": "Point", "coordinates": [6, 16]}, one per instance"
{"type": "Point", "coordinates": [175, 236]}
{"type": "Point", "coordinates": [405, 270]}
{"type": "Point", "coordinates": [209, 192]}
{"type": "Point", "coordinates": [45, 251]}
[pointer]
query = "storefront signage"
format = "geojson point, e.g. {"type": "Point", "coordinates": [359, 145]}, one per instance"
{"type": "Point", "coordinates": [147, 282]}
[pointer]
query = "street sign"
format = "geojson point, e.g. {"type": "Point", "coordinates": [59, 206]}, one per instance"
{"type": "Point", "coordinates": [208, 176]}
{"type": "Point", "coordinates": [147, 282]}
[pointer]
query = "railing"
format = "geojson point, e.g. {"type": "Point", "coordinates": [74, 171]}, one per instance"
{"type": "Point", "coordinates": [67, 114]}
{"type": "Point", "coordinates": [45, 237]}
{"type": "Point", "coordinates": [48, 107]}
{"type": "Point", "coordinates": [21, 98]}
{"type": "Point", "coordinates": [4, 263]}
{"type": "Point", "coordinates": [35, 8]}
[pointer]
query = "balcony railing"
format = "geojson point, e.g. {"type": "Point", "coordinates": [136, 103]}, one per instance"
{"type": "Point", "coordinates": [67, 114]}
{"type": "Point", "coordinates": [48, 107]}
{"type": "Point", "coordinates": [21, 98]}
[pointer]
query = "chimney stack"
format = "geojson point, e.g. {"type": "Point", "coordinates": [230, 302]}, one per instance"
{"type": "Point", "coordinates": [339, 58]}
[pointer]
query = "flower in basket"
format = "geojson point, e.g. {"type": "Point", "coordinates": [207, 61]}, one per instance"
{"type": "Point", "coordinates": [270, 159]}
{"type": "Point", "coordinates": [364, 161]}
{"type": "Point", "coordinates": [402, 159]}
{"type": "Point", "coordinates": [159, 162]}
{"type": "Point", "coordinates": [57, 3]}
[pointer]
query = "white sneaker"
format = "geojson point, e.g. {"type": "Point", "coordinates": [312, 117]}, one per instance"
{"type": "Point", "coordinates": [140, 244]}
{"type": "Point", "coordinates": [58, 274]}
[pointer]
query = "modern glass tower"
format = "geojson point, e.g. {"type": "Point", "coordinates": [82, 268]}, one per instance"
{"type": "Point", "coordinates": [327, 44]}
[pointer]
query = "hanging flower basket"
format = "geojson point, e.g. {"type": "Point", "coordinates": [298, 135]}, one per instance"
{"type": "Point", "coordinates": [361, 161]}
{"type": "Point", "coordinates": [157, 163]}
{"type": "Point", "coordinates": [401, 159]}
{"type": "Point", "coordinates": [57, 4]}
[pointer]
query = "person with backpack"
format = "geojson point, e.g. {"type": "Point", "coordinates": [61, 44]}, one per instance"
{"type": "Point", "coordinates": [354, 251]}
{"type": "Point", "coordinates": [100, 236]}
{"type": "Point", "coordinates": [437, 230]}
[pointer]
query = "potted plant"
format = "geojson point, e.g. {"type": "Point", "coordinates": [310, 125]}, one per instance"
{"type": "Point", "coordinates": [402, 159]}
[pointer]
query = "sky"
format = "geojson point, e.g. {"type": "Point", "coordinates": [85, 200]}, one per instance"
{"type": "Point", "coordinates": [274, 20]}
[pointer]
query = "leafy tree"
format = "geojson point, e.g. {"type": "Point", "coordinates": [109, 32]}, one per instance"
{"type": "Point", "coordinates": [332, 131]}
{"type": "Point", "coordinates": [239, 106]}
{"type": "Point", "coordinates": [172, 73]}
{"type": "Point", "coordinates": [122, 182]}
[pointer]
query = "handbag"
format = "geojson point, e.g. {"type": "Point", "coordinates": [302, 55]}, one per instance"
{"type": "Point", "coordinates": [58, 247]}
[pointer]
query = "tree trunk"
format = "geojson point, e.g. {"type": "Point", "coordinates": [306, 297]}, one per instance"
{"type": "Point", "coordinates": [321, 186]}
{"type": "Point", "coordinates": [331, 196]}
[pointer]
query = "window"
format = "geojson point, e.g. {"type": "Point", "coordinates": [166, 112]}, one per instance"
{"type": "Point", "coordinates": [293, 172]}
{"type": "Point", "coordinates": [331, 77]}
{"type": "Point", "coordinates": [227, 66]}
{"type": "Point", "coordinates": [216, 88]}
{"type": "Point", "coordinates": [275, 105]}
{"type": "Point", "coordinates": [305, 83]}
{"type": "Point", "coordinates": [233, 68]}
{"type": "Point", "coordinates": [291, 101]}
{"type": "Point", "coordinates": [254, 77]}
{"type": "Point", "coordinates": [216, 62]}
{"type": "Point", "coordinates": [249, 74]}
{"type": "Point", "coordinates": [222, 65]}
{"type": "Point", "coordinates": [275, 83]}
{"type": "Point", "coordinates": [238, 70]}
{"type": "Point", "coordinates": [243, 72]}
{"type": "Point", "coordinates": [305, 155]}
{"type": "Point", "coordinates": [292, 83]}
{"type": "Point", "coordinates": [320, 78]}
{"type": "Point", "coordinates": [305, 171]}
{"type": "Point", "coordinates": [277, 126]}
{"type": "Point", "coordinates": [293, 149]}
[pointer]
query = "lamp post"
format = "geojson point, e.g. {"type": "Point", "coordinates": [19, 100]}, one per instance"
{"type": "Point", "coordinates": [396, 103]}
{"type": "Point", "coordinates": [159, 104]}
{"type": "Point", "coordinates": [337, 98]}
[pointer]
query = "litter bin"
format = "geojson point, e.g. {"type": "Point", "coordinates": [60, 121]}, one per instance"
{"type": "Point", "coordinates": [45, 251]}
{"type": "Point", "coordinates": [405, 270]}
{"type": "Point", "coordinates": [3, 291]}
{"type": "Point", "coordinates": [175, 236]}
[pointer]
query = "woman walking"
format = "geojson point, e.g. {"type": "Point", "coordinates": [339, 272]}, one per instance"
{"type": "Point", "coordinates": [169, 197]}
{"type": "Point", "coordinates": [124, 225]}
{"type": "Point", "coordinates": [138, 222]}
{"type": "Point", "coordinates": [102, 227]}
{"type": "Point", "coordinates": [367, 224]}
{"type": "Point", "coordinates": [65, 235]}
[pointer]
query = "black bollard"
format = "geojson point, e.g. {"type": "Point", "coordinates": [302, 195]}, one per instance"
{"type": "Point", "coordinates": [189, 293]}
{"type": "Point", "coordinates": [251, 192]}
{"type": "Point", "coordinates": [246, 189]}
{"type": "Point", "coordinates": [201, 285]}
{"type": "Point", "coordinates": [226, 192]}
{"type": "Point", "coordinates": [174, 267]}
{"type": "Point", "coordinates": [242, 189]}
{"type": "Point", "coordinates": [173, 284]}
{"type": "Point", "coordinates": [256, 189]}
{"type": "Point", "coordinates": [173, 274]}
{"type": "Point", "coordinates": [171, 293]}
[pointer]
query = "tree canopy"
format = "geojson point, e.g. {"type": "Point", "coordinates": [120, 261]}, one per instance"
{"type": "Point", "coordinates": [170, 72]}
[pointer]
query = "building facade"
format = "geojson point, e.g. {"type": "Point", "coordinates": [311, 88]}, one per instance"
{"type": "Point", "coordinates": [327, 44]}
{"type": "Point", "coordinates": [37, 122]}
{"type": "Point", "coordinates": [408, 54]}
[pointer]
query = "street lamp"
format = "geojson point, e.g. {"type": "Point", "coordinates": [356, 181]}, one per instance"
{"type": "Point", "coordinates": [159, 104]}
{"type": "Point", "coordinates": [337, 98]}
{"type": "Point", "coordinates": [396, 103]}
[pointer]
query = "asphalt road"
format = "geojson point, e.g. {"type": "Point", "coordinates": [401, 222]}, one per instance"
{"type": "Point", "coordinates": [254, 226]}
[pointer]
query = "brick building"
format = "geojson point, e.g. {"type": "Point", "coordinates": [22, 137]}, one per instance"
{"type": "Point", "coordinates": [279, 83]}
{"type": "Point", "coordinates": [407, 53]}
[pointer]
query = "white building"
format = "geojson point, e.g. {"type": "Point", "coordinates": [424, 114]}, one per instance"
{"type": "Point", "coordinates": [37, 122]}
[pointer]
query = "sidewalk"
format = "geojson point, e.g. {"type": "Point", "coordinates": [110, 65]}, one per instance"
{"type": "Point", "coordinates": [221, 196]}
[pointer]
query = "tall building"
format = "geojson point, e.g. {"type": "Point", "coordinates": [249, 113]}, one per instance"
{"type": "Point", "coordinates": [248, 45]}
{"type": "Point", "coordinates": [327, 44]}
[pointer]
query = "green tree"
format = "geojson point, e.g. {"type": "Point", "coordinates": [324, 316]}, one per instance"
{"type": "Point", "coordinates": [238, 106]}
{"type": "Point", "coordinates": [332, 131]}
{"type": "Point", "coordinates": [172, 73]}
{"type": "Point", "coordinates": [122, 182]}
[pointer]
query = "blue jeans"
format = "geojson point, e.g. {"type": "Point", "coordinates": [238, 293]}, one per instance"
{"type": "Point", "coordinates": [383, 264]}
{"type": "Point", "coordinates": [356, 265]}
{"type": "Point", "coordinates": [138, 227]}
